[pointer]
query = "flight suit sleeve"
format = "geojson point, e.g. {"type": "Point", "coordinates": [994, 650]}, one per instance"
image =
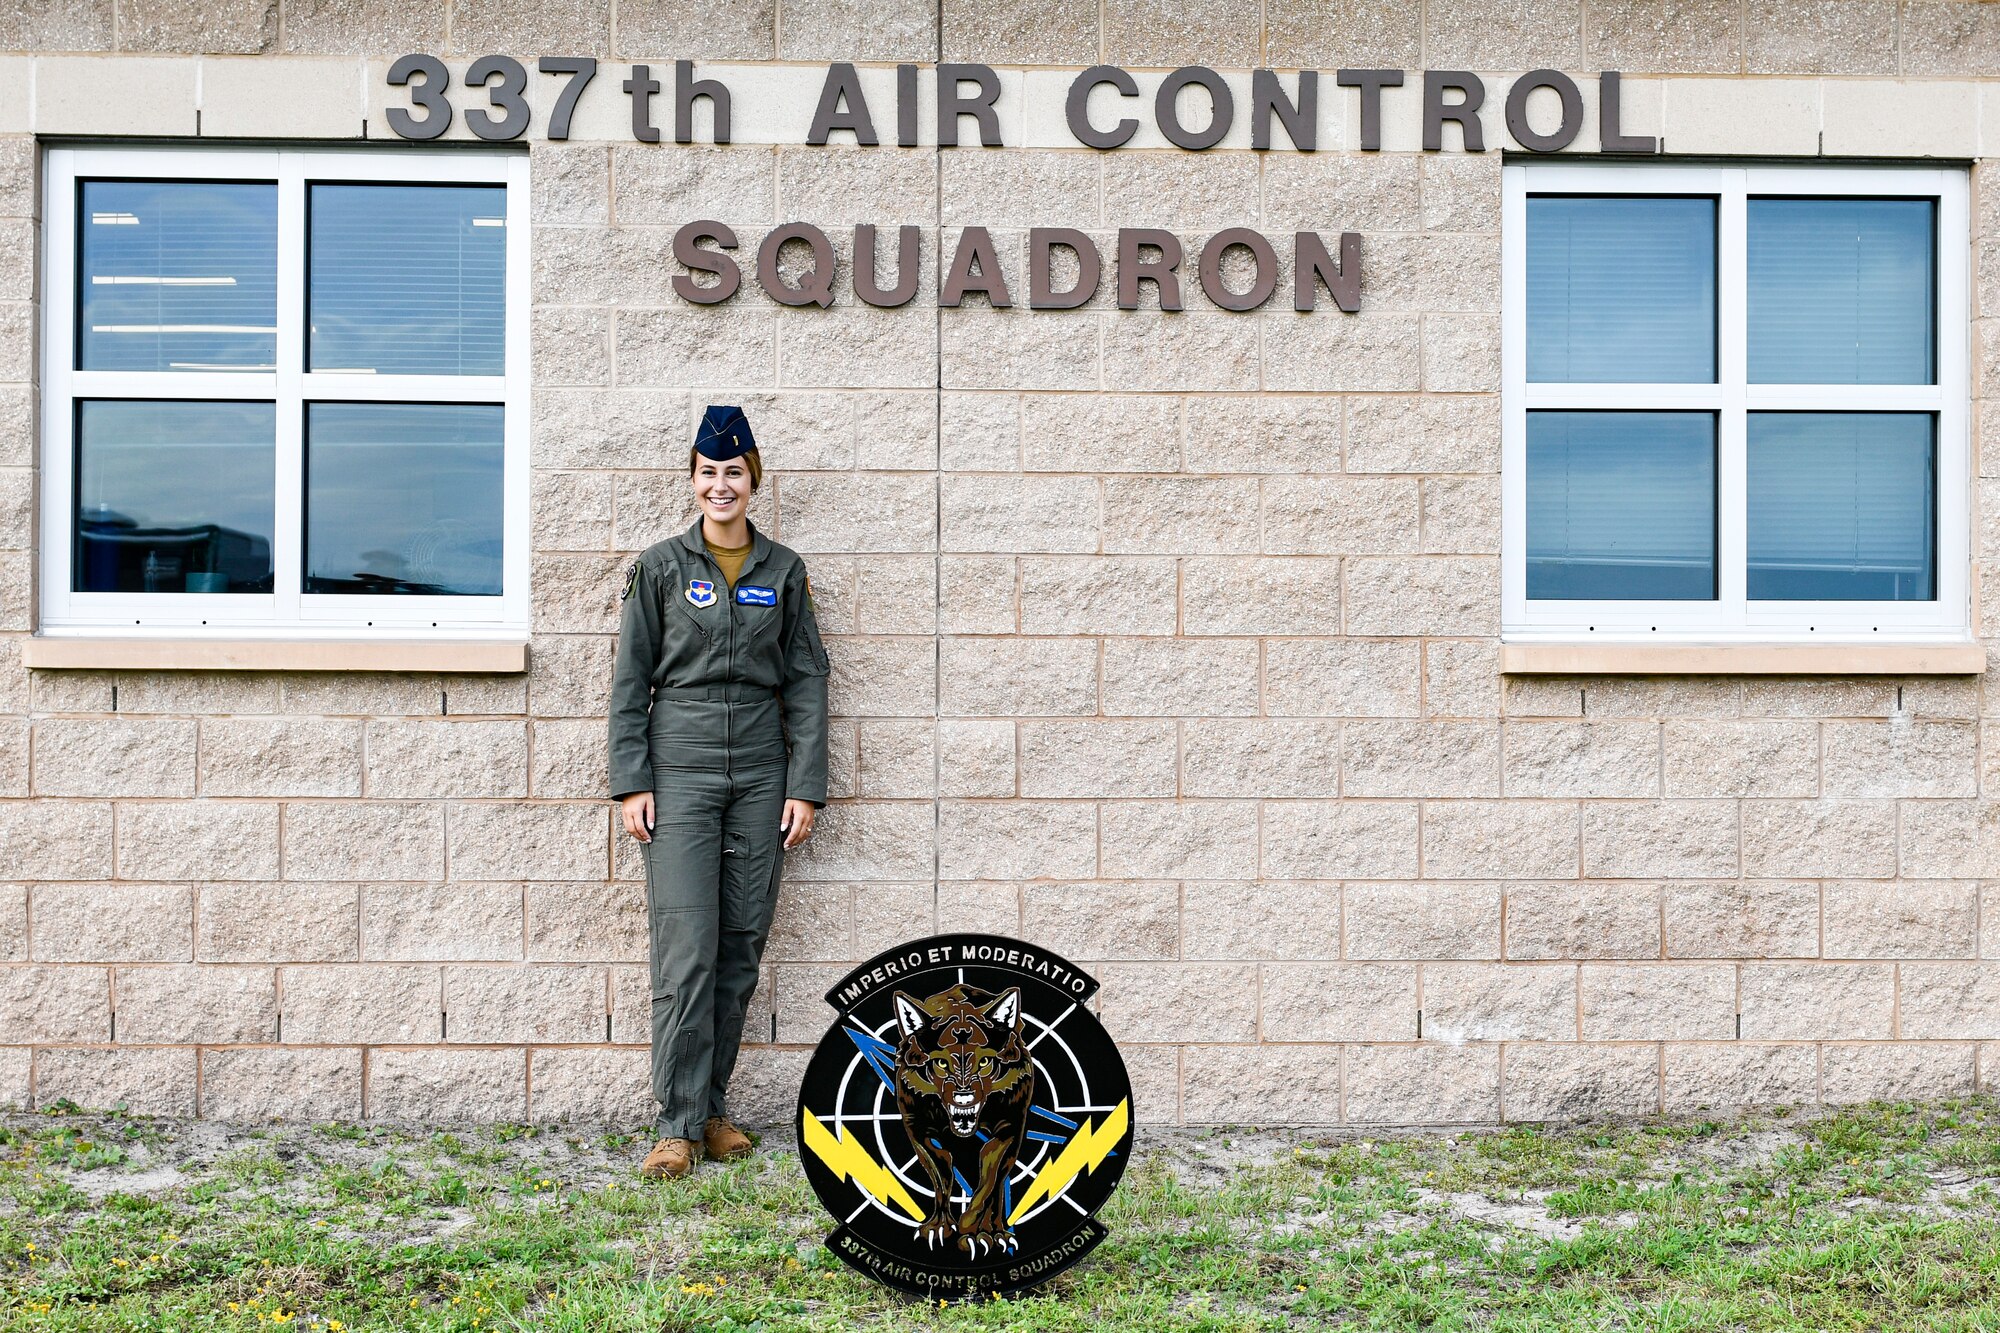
{"type": "Point", "coordinates": [804, 690]}
{"type": "Point", "coordinates": [632, 683]}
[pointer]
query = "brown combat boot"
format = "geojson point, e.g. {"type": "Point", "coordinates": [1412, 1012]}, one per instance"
{"type": "Point", "coordinates": [670, 1159]}
{"type": "Point", "coordinates": [724, 1141]}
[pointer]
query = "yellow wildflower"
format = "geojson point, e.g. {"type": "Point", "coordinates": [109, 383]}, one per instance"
{"type": "Point", "coordinates": [121, 1263]}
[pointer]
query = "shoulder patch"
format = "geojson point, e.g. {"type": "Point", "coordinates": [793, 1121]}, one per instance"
{"type": "Point", "coordinates": [631, 580]}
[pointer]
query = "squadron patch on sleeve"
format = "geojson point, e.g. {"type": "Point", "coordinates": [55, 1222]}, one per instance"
{"type": "Point", "coordinates": [631, 580]}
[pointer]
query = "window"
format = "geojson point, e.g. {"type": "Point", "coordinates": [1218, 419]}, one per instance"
{"type": "Point", "coordinates": [285, 393]}
{"type": "Point", "coordinates": [1734, 403]}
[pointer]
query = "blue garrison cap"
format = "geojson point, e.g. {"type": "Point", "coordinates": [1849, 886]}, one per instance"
{"type": "Point", "coordinates": [724, 434]}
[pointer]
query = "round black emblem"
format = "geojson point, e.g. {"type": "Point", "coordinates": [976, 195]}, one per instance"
{"type": "Point", "coordinates": [965, 1117]}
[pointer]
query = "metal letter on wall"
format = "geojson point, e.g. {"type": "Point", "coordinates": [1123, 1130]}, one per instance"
{"type": "Point", "coordinates": [951, 104]}
{"type": "Point", "coordinates": [908, 241]}
{"type": "Point", "coordinates": [1210, 268]}
{"type": "Point", "coordinates": [1611, 136]}
{"type": "Point", "coordinates": [842, 84]}
{"type": "Point", "coordinates": [1166, 108]}
{"type": "Point", "coordinates": [641, 86]}
{"type": "Point", "coordinates": [1300, 119]}
{"type": "Point", "coordinates": [1371, 82]}
{"type": "Point", "coordinates": [816, 288]}
{"type": "Point", "coordinates": [1076, 107]}
{"type": "Point", "coordinates": [1437, 111]}
{"type": "Point", "coordinates": [1132, 270]}
{"type": "Point", "coordinates": [1566, 92]}
{"type": "Point", "coordinates": [688, 251]}
{"type": "Point", "coordinates": [1311, 265]}
{"type": "Point", "coordinates": [506, 97]}
{"type": "Point", "coordinates": [687, 89]}
{"type": "Point", "coordinates": [1042, 294]}
{"type": "Point", "coordinates": [975, 245]}
{"type": "Point", "coordinates": [429, 95]}
{"type": "Point", "coordinates": [582, 70]}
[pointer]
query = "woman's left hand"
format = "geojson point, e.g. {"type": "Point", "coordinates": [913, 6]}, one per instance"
{"type": "Point", "coordinates": [797, 823]}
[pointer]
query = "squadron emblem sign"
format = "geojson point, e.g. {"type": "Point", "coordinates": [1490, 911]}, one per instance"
{"type": "Point", "coordinates": [965, 1117]}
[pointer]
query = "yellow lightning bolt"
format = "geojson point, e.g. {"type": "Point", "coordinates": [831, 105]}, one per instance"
{"type": "Point", "coordinates": [1083, 1152]}
{"type": "Point", "coordinates": [847, 1159]}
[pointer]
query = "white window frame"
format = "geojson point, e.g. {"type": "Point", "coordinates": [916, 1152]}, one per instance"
{"type": "Point", "coordinates": [287, 612]}
{"type": "Point", "coordinates": [1732, 617]}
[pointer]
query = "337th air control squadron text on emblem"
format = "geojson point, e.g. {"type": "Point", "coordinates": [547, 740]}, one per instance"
{"type": "Point", "coordinates": [965, 1117]}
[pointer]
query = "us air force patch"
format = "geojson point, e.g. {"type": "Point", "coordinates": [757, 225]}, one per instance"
{"type": "Point", "coordinates": [631, 580]}
{"type": "Point", "coordinates": [965, 1117]}
{"type": "Point", "coordinates": [700, 592]}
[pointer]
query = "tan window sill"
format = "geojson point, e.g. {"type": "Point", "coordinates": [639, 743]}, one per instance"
{"type": "Point", "coordinates": [1742, 659]}
{"type": "Point", "coordinates": [453, 655]}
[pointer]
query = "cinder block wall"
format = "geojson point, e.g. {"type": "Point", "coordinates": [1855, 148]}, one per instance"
{"type": "Point", "coordinates": [1167, 641]}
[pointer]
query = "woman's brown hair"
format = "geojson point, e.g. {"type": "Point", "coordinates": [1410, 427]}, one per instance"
{"type": "Point", "coordinates": [751, 460]}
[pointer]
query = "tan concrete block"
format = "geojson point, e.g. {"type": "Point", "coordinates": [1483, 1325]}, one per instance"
{"type": "Point", "coordinates": [277, 923]}
{"type": "Point", "coordinates": [976, 595]}
{"type": "Point", "coordinates": [1317, 352]}
{"type": "Point", "coordinates": [1820, 37]}
{"type": "Point", "coordinates": [138, 1082]}
{"type": "Point", "coordinates": [1421, 759]}
{"type": "Point", "coordinates": [248, 26]}
{"type": "Point", "coordinates": [532, 1003]}
{"type": "Point", "coordinates": [868, 840]}
{"type": "Point", "coordinates": [1177, 515]}
{"type": "Point", "coordinates": [1339, 678]}
{"type": "Point", "coordinates": [1155, 1072]}
{"type": "Point", "coordinates": [361, 27]}
{"type": "Point", "coordinates": [1127, 433]}
{"type": "Point", "coordinates": [1697, 37]}
{"type": "Point", "coordinates": [1099, 595]}
{"type": "Point", "coordinates": [976, 759]}
{"type": "Point", "coordinates": [1740, 115]}
{"type": "Point", "coordinates": [13, 923]}
{"type": "Point", "coordinates": [220, 840]}
{"type": "Point", "coordinates": [196, 1003]}
{"type": "Point", "coordinates": [1423, 921]}
{"type": "Point", "coordinates": [1040, 32]}
{"type": "Point", "coordinates": [1901, 757]}
{"type": "Point", "coordinates": [1297, 759]}
{"type": "Point", "coordinates": [1850, 838]}
{"type": "Point", "coordinates": [1261, 920]}
{"type": "Point", "coordinates": [576, 594]}
{"type": "Point", "coordinates": [1581, 759]}
{"type": "Point", "coordinates": [442, 1084]}
{"type": "Point", "coordinates": [571, 346]}
{"type": "Point", "coordinates": [279, 757]}
{"type": "Point", "coordinates": [700, 29]}
{"type": "Point", "coordinates": [441, 922]}
{"type": "Point", "coordinates": [860, 512]}
{"type": "Point", "coordinates": [1659, 839]}
{"type": "Point", "coordinates": [536, 841]}
{"type": "Point", "coordinates": [694, 346]}
{"type": "Point", "coordinates": [274, 97]}
{"type": "Point", "coordinates": [1339, 1001]}
{"type": "Point", "coordinates": [1340, 839]}
{"type": "Point", "coordinates": [1946, 839]}
{"type": "Point", "coordinates": [1817, 1001]}
{"type": "Point", "coordinates": [1086, 759]}
{"type": "Point", "coordinates": [1658, 1002]}
{"type": "Point", "coordinates": [1552, 1081]}
{"type": "Point", "coordinates": [1663, 697]}
{"type": "Point", "coordinates": [567, 674]}
{"type": "Point", "coordinates": [1500, 839]}
{"type": "Point", "coordinates": [114, 95]}
{"type": "Point", "coordinates": [1401, 1085]}
{"type": "Point", "coordinates": [1940, 39]}
{"type": "Point", "coordinates": [1003, 514]}
{"type": "Point", "coordinates": [1741, 759]}
{"type": "Point", "coordinates": [1461, 353]}
{"type": "Point", "coordinates": [897, 759]}
{"type": "Point", "coordinates": [1948, 1000]}
{"type": "Point", "coordinates": [1919, 118]}
{"type": "Point", "coordinates": [1264, 435]}
{"type": "Point", "coordinates": [1088, 922]}
{"type": "Point", "coordinates": [573, 187]}
{"type": "Point", "coordinates": [813, 923]}
{"type": "Point", "coordinates": [374, 840]}
{"type": "Point", "coordinates": [1499, 1001]}
{"type": "Point", "coordinates": [895, 595]}
{"type": "Point", "coordinates": [838, 185]}
{"type": "Point", "coordinates": [1461, 515]}
{"type": "Point", "coordinates": [1020, 189]}
{"type": "Point", "coordinates": [1018, 677]}
{"type": "Point", "coordinates": [600, 1086]}
{"type": "Point", "coordinates": [258, 1083]}
{"type": "Point", "coordinates": [1156, 32]}
{"type": "Point", "coordinates": [568, 759]}
{"type": "Point", "coordinates": [1338, 515]}
{"type": "Point", "coordinates": [1702, 1077]}
{"type": "Point", "coordinates": [849, 30]}
{"type": "Point", "coordinates": [84, 26]}
{"type": "Point", "coordinates": [45, 1004]}
{"type": "Point", "coordinates": [764, 1091]}
{"type": "Point", "coordinates": [1901, 1072]}
{"type": "Point", "coordinates": [1180, 677]}
{"type": "Point", "coordinates": [1178, 839]}
{"type": "Point", "coordinates": [113, 923]}
{"type": "Point", "coordinates": [1903, 919]}
{"type": "Point", "coordinates": [1583, 921]}
{"type": "Point", "coordinates": [1018, 840]}
{"type": "Point", "coordinates": [1334, 192]}
{"type": "Point", "coordinates": [114, 757]}
{"type": "Point", "coordinates": [415, 694]}
{"type": "Point", "coordinates": [886, 915]}
{"type": "Point", "coordinates": [1390, 433]}
{"type": "Point", "coordinates": [365, 1003]}
{"type": "Point", "coordinates": [14, 756]}
{"type": "Point", "coordinates": [993, 908]}
{"type": "Point", "coordinates": [883, 677]}
{"type": "Point", "coordinates": [1149, 349]}
{"type": "Point", "coordinates": [1151, 1001]}
{"type": "Point", "coordinates": [17, 484]}
{"type": "Point", "coordinates": [1503, 34]}
{"type": "Point", "coordinates": [1762, 919]}
{"type": "Point", "coordinates": [1273, 595]}
{"type": "Point", "coordinates": [1446, 595]}
{"type": "Point", "coordinates": [411, 759]}
{"type": "Point", "coordinates": [800, 1002]}
{"type": "Point", "coordinates": [982, 349]}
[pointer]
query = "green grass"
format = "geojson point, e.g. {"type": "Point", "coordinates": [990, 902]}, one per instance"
{"type": "Point", "coordinates": [1877, 1218]}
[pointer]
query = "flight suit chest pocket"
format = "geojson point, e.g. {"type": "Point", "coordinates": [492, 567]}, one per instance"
{"type": "Point", "coordinates": [757, 610]}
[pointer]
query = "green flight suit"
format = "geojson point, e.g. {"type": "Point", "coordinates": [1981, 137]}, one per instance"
{"type": "Point", "coordinates": [718, 707]}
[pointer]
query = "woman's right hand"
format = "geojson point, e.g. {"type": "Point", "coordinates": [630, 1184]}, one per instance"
{"type": "Point", "coordinates": [637, 810]}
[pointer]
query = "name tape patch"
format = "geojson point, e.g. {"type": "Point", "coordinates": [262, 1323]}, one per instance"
{"type": "Point", "coordinates": [748, 594]}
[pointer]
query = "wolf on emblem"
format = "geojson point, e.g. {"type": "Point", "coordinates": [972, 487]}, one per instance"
{"type": "Point", "coordinates": [963, 1083]}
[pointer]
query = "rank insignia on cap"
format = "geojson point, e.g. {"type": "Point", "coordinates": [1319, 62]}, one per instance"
{"type": "Point", "coordinates": [701, 592]}
{"type": "Point", "coordinates": [724, 434]}
{"type": "Point", "coordinates": [631, 580]}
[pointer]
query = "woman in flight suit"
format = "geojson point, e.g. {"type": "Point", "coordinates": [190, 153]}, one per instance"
{"type": "Point", "coordinates": [718, 762]}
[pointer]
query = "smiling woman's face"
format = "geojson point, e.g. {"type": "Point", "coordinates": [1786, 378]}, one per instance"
{"type": "Point", "coordinates": [722, 489]}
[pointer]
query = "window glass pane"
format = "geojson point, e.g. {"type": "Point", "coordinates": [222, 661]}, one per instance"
{"type": "Point", "coordinates": [1621, 505]}
{"type": "Point", "coordinates": [174, 496]}
{"type": "Point", "coordinates": [178, 275]}
{"type": "Point", "coordinates": [1841, 291]}
{"type": "Point", "coordinates": [1621, 290]}
{"type": "Point", "coordinates": [1841, 507]}
{"type": "Point", "coordinates": [408, 279]}
{"type": "Point", "coordinates": [403, 498]}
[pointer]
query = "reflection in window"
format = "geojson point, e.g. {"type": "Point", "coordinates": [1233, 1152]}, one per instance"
{"type": "Point", "coordinates": [1621, 290]}
{"type": "Point", "coordinates": [403, 498]}
{"type": "Point", "coordinates": [178, 275]}
{"type": "Point", "coordinates": [1621, 505]}
{"type": "Point", "coordinates": [174, 496]}
{"type": "Point", "coordinates": [1841, 291]}
{"type": "Point", "coordinates": [408, 279]}
{"type": "Point", "coordinates": [1840, 506]}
